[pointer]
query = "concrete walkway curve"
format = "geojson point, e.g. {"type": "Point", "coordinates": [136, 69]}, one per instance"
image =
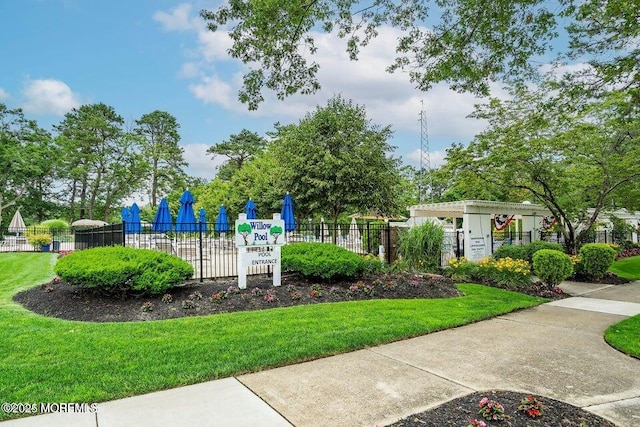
{"type": "Point", "coordinates": [555, 350]}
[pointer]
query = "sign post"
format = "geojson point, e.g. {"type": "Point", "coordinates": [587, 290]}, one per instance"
{"type": "Point", "coordinates": [258, 242]}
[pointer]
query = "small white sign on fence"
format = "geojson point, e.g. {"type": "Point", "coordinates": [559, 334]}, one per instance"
{"type": "Point", "coordinates": [258, 242]}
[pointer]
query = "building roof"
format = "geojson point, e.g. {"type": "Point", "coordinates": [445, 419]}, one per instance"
{"type": "Point", "coordinates": [459, 208]}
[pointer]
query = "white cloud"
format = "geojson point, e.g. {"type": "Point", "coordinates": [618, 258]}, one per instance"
{"type": "Point", "coordinates": [200, 163]}
{"type": "Point", "coordinates": [3, 94]}
{"type": "Point", "coordinates": [213, 90]}
{"type": "Point", "coordinates": [190, 70]}
{"type": "Point", "coordinates": [563, 69]}
{"type": "Point", "coordinates": [436, 158]}
{"type": "Point", "coordinates": [214, 46]}
{"type": "Point", "coordinates": [177, 20]}
{"type": "Point", "coordinates": [49, 96]}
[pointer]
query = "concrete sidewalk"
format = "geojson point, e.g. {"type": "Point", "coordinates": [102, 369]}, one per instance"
{"type": "Point", "coordinates": [555, 350]}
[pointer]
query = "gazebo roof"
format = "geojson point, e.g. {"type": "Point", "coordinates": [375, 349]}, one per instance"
{"type": "Point", "coordinates": [459, 208]}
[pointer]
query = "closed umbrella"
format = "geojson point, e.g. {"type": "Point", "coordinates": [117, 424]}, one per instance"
{"type": "Point", "coordinates": [202, 217]}
{"type": "Point", "coordinates": [163, 220]}
{"type": "Point", "coordinates": [287, 213]}
{"type": "Point", "coordinates": [222, 222]}
{"type": "Point", "coordinates": [186, 220]}
{"type": "Point", "coordinates": [250, 209]}
{"type": "Point", "coordinates": [354, 231]}
{"type": "Point", "coordinates": [17, 224]}
{"type": "Point", "coordinates": [133, 226]}
{"type": "Point", "coordinates": [125, 214]}
{"type": "Point", "coordinates": [324, 229]}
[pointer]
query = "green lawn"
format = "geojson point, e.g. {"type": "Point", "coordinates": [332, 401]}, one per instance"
{"type": "Point", "coordinates": [628, 268]}
{"type": "Point", "coordinates": [625, 336]}
{"type": "Point", "coordinates": [51, 360]}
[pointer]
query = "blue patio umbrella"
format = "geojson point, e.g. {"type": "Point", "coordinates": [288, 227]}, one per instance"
{"type": "Point", "coordinates": [222, 222]}
{"type": "Point", "coordinates": [202, 218]}
{"type": "Point", "coordinates": [251, 210]}
{"type": "Point", "coordinates": [163, 220]}
{"type": "Point", "coordinates": [186, 221]}
{"type": "Point", "coordinates": [125, 213]}
{"type": "Point", "coordinates": [133, 225]}
{"type": "Point", "coordinates": [287, 213]}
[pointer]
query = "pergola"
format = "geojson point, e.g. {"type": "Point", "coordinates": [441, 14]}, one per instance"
{"type": "Point", "coordinates": [476, 220]}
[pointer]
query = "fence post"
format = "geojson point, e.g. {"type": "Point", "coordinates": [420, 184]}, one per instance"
{"type": "Point", "coordinates": [457, 244]}
{"type": "Point", "coordinates": [124, 234]}
{"type": "Point", "coordinates": [201, 261]}
{"type": "Point", "coordinates": [491, 240]}
{"type": "Point", "coordinates": [388, 243]}
{"type": "Point", "coordinates": [368, 238]}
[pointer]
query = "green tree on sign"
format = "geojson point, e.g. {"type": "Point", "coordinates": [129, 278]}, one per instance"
{"type": "Point", "coordinates": [244, 229]}
{"type": "Point", "coordinates": [275, 231]}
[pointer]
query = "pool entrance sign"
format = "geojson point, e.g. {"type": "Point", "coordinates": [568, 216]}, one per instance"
{"type": "Point", "coordinates": [259, 242]}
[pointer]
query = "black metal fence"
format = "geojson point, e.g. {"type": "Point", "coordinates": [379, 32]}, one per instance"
{"type": "Point", "coordinates": [500, 238]}
{"type": "Point", "coordinates": [213, 254]}
{"type": "Point", "coordinates": [604, 236]}
{"type": "Point", "coordinates": [36, 239]}
{"type": "Point", "coordinates": [108, 235]}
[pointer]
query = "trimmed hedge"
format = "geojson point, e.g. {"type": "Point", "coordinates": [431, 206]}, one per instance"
{"type": "Point", "coordinates": [122, 270]}
{"type": "Point", "coordinates": [551, 266]}
{"type": "Point", "coordinates": [525, 252]}
{"type": "Point", "coordinates": [511, 251]}
{"type": "Point", "coordinates": [595, 259]}
{"type": "Point", "coordinates": [321, 260]}
{"type": "Point", "coordinates": [537, 245]}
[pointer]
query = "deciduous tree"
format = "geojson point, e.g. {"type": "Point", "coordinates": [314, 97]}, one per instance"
{"type": "Point", "coordinates": [335, 160]}
{"type": "Point", "coordinates": [569, 159]}
{"type": "Point", "coordinates": [28, 160]}
{"type": "Point", "coordinates": [466, 43]}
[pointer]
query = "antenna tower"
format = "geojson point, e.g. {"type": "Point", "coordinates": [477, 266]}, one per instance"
{"type": "Point", "coordinates": [425, 183]}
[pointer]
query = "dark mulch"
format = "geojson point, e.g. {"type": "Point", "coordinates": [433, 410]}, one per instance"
{"type": "Point", "coordinates": [58, 299]}
{"type": "Point", "coordinates": [608, 279]}
{"type": "Point", "coordinates": [459, 413]}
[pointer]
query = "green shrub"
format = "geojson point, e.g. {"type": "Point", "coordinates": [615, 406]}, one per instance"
{"type": "Point", "coordinates": [537, 245]}
{"type": "Point", "coordinates": [461, 270]}
{"type": "Point", "coordinates": [121, 270]}
{"type": "Point", "coordinates": [38, 240]}
{"type": "Point", "coordinates": [372, 264]}
{"type": "Point", "coordinates": [595, 259]}
{"type": "Point", "coordinates": [551, 266]}
{"type": "Point", "coordinates": [55, 224]}
{"type": "Point", "coordinates": [511, 251]}
{"type": "Point", "coordinates": [505, 272]}
{"type": "Point", "coordinates": [321, 260]}
{"type": "Point", "coordinates": [421, 246]}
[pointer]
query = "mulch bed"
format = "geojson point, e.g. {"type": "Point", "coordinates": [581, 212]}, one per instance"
{"type": "Point", "coordinates": [459, 413]}
{"type": "Point", "coordinates": [61, 300]}
{"type": "Point", "coordinates": [608, 279]}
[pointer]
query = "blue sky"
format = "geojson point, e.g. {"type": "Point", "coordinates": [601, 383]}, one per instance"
{"type": "Point", "coordinates": [141, 55]}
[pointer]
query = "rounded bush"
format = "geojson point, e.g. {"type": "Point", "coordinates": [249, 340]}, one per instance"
{"type": "Point", "coordinates": [552, 267]}
{"type": "Point", "coordinates": [55, 224]}
{"type": "Point", "coordinates": [511, 251]}
{"type": "Point", "coordinates": [595, 259]}
{"type": "Point", "coordinates": [321, 260]}
{"type": "Point", "coordinates": [121, 270]}
{"type": "Point", "coordinates": [535, 246]}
